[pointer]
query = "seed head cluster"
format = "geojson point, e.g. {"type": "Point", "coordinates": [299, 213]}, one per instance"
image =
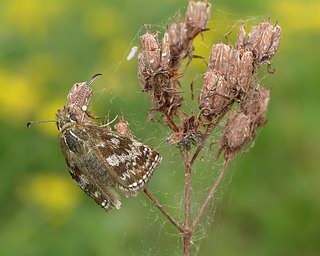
{"type": "Point", "coordinates": [231, 89]}
{"type": "Point", "coordinates": [158, 63]}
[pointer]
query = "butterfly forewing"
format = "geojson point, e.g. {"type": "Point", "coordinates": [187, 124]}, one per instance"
{"type": "Point", "coordinates": [86, 168]}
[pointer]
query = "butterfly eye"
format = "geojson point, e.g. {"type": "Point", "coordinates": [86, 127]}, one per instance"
{"type": "Point", "coordinates": [73, 118]}
{"type": "Point", "coordinates": [58, 125]}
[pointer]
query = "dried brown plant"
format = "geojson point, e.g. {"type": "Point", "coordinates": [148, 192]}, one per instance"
{"type": "Point", "coordinates": [230, 97]}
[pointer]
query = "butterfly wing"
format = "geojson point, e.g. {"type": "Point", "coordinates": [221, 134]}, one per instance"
{"type": "Point", "coordinates": [86, 168]}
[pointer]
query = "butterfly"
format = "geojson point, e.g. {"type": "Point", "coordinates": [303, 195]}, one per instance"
{"type": "Point", "coordinates": [100, 159]}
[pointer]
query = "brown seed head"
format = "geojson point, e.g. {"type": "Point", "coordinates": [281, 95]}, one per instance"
{"type": "Point", "coordinates": [238, 131]}
{"type": "Point", "coordinates": [256, 106]}
{"type": "Point", "coordinates": [148, 60]}
{"type": "Point", "coordinates": [122, 127]}
{"type": "Point", "coordinates": [244, 70]}
{"type": "Point", "coordinates": [216, 94]}
{"type": "Point", "coordinates": [197, 17]}
{"type": "Point", "coordinates": [220, 58]}
{"type": "Point", "coordinates": [150, 50]}
{"type": "Point", "coordinates": [264, 41]}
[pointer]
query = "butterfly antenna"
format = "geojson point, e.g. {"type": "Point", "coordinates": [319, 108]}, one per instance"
{"type": "Point", "coordinates": [93, 78]}
{"type": "Point", "coordinates": [39, 122]}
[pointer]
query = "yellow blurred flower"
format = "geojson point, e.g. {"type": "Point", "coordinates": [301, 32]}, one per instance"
{"type": "Point", "coordinates": [298, 14]}
{"type": "Point", "coordinates": [32, 16]}
{"type": "Point", "coordinates": [56, 195]}
{"type": "Point", "coordinates": [102, 22]}
{"type": "Point", "coordinates": [17, 98]}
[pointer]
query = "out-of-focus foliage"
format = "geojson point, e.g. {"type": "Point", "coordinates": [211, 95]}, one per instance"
{"type": "Point", "coordinates": [270, 204]}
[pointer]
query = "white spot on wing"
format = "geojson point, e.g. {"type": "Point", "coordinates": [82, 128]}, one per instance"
{"type": "Point", "coordinates": [115, 141]}
{"type": "Point", "coordinates": [113, 160]}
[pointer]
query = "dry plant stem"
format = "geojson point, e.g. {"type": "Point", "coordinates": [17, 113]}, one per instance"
{"type": "Point", "coordinates": [171, 123]}
{"type": "Point", "coordinates": [207, 133]}
{"type": "Point", "coordinates": [187, 200]}
{"type": "Point", "coordinates": [164, 212]}
{"type": "Point", "coordinates": [210, 195]}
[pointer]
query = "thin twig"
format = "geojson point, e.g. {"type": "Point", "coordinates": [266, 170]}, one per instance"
{"type": "Point", "coordinates": [187, 202]}
{"type": "Point", "coordinates": [171, 123]}
{"type": "Point", "coordinates": [186, 161]}
{"type": "Point", "coordinates": [164, 212]}
{"type": "Point", "coordinates": [207, 133]}
{"type": "Point", "coordinates": [210, 195]}
{"type": "Point", "coordinates": [202, 143]}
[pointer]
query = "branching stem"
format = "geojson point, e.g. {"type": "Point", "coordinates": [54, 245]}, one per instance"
{"type": "Point", "coordinates": [164, 212]}
{"type": "Point", "coordinates": [210, 195]}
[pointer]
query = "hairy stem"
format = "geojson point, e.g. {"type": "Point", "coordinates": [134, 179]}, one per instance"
{"type": "Point", "coordinates": [171, 123]}
{"type": "Point", "coordinates": [187, 202]}
{"type": "Point", "coordinates": [164, 212]}
{"type": "Point", "coordinates": [210, 195]}
{"type": "Point", "coordinates": [207, 133]}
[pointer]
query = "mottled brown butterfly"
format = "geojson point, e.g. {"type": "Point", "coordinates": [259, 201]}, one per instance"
{"type": "Point", "coordinates": [100, 159]}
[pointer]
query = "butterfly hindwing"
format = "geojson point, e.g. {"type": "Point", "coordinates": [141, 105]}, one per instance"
{"type": "Point", "coordinates": [127, 160]}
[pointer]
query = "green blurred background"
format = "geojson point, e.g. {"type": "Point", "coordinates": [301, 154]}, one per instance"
{"type": "Point", "coordinates": [269, 204]}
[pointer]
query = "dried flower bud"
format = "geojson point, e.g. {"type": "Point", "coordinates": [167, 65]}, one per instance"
{"type": "Point", "coordinates": [148, 60]}
{"type": "Point", "coordinates": [177, 40]}
{"type": "Point", "coordinates": [197, 17]}
{"type": "Point", "coordinates": [244, 70]}
{"type": "Point", "coordinates": [240, 128]}
{"type": "Point", "coordinates": [257, 105]}
{"type": "Point", "coordinates": [216, 94]}
{"type": "Point", "coordinates": [241, 38]}
{"type": "Point", "coordinates": [122, 127]}
{"type": "Point", "coordinates": [221, 58]}
{"type": "Point", "coordinates": [264, 41]}
{"type": "Point", "coordinates": [166, 51]}
{"type": "Point", "coordinates": [275, 42]}
{"type": "Point", "coordinates": [166, 96]}
{"type": "Point", "coordinates": [176, 45]}
{"type": "Point", "coordinates": [151, 50]}
{"type": "Point", "coordinates": [237, 132]}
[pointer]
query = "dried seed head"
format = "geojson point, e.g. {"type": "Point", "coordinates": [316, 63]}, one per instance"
{"type": "Point", "coordinates": [197, 17]}
{"type": "Point", "coordinates": [216, 95]}
{"type": "Point", "coordinates": [244, 70]}
{"type": "Point", "coordinates": [173, 50]}
{"type": "Point", "coordinates": [275, 42]}
{"type": "Point", "coordinates": [240, 128]}
{"type": "Point", "coordinates": [221, 58]}
{"type": "Point", "coordinates": [177, 40]}
{"type": "Point", "coordinates": [122, 127]}
{"type": "Point", "coordinates": [148, 60]}
{"type": "Point", "coordinates": [237, 132]}
{"type": "Point", "coordinates": [166, 96]}
{"type": "Point", "coordinates": [264, 41]}
{"type": "Point", "coordinates": [158, 66]}
{"type": "Point", "coordinates": [256, 106]}
{"type": "Point", "coordinates": [166, 51]}
{"type": "Point", "coordinates": [151, 50]}
{"type": "Point", "coordinates": [241, 38]}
